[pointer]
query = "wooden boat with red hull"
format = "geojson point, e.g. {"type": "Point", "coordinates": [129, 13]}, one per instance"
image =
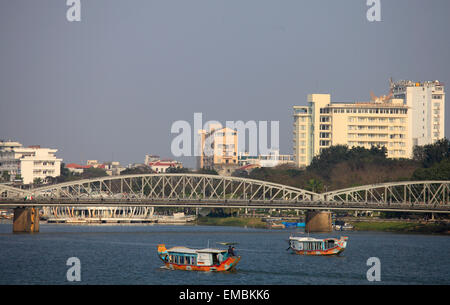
{"type": "Point", "coordinates": [312, 246]}
{"type": "Point", "coordinates": [182, 258]}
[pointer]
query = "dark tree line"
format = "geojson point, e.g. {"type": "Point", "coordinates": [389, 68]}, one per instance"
{"type": "Point", "coordinates": [435, 161]}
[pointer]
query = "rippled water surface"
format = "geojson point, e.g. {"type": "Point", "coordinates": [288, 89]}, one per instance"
{"type": "Point", "coordinates": [126, 254]}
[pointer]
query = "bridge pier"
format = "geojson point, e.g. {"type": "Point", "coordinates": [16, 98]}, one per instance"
{"type": "Point", "coordinates": [26, 220]}
{"type": "Point", "coordinates": [318, 222]}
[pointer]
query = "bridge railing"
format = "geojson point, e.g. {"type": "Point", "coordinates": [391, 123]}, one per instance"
{"type": "Point", "coordinates": [410, 193]}
{"type": "Point", "coordinates": [174, 186]}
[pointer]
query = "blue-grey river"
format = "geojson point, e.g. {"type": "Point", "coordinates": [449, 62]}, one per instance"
{"type": "Point", "coordinates": [126, 254]}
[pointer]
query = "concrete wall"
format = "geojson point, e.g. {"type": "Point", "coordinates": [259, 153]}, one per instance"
{"type": "Point", "coordinates": [26, 220]}
{"type": "Point", "coordinates": [318, 222]}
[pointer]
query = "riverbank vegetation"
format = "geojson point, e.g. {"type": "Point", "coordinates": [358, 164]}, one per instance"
{"type": "Point", "coordinates": [252, 222]}
{"type": "Point", "coordinates": [403, 227]}
{"type": "Point", "coordinates": [340, 167]}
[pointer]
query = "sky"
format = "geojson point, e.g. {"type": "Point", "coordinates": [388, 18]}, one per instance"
{"type": "Point", "coordinates": [110, 86]}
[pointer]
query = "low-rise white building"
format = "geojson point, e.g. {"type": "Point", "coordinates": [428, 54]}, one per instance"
{"type": "Point", "coordinates": [161, 166]}
{"type": "Point", "coordinates": [76, 168]}
{"type": "Point", "coordinates": [29, 162]}
{"type": "Point", "coordinates": [271, 160]}
{"type": "Point", "coordinates": [113, 168]}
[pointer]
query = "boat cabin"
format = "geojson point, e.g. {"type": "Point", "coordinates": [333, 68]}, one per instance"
{"type": "Point", "coordinates": [204, 257]}
{"type": "Point", "coordinates": [310, 244]}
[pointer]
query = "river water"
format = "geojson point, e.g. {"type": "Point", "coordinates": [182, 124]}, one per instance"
{"type": "Point", "coordinates": [126, 254]}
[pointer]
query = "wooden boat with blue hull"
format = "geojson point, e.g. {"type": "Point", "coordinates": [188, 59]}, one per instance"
{"type": "Point", "coordinates": [182, 258]}
{"type": "Point", "coordinates": [313, 246]}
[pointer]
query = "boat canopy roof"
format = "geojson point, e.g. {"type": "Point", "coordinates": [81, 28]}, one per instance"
{"type": "Point", "coordinates": [211, 251]}
{"type": "Point", "coordinates": [310, 239]}
{"type": "Point", "coordinates": [182, 250]}
{"type": "Point", "coordinates": [194, 251]}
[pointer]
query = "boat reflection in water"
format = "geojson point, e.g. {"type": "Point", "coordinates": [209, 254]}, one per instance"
{"type": "Point", "coordinates": [313, 246]}
{"type": "Point", "coordinates": [182, 258]}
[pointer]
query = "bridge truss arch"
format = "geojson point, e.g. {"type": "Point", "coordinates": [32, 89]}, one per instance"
{"type": "Point", "coordinates": [409, 193]}
{"type": "Point", "coordinates": [169, 187]}
{"type": "Point", "coordinates": [7, 191]}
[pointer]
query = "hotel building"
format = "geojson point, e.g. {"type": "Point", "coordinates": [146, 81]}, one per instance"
{"type": "Point", "coordinates": [427, 103]}
{"type": "Point", "coordinates": [29, 162]}
{"type": "Point", "coordinates": [321, 124]}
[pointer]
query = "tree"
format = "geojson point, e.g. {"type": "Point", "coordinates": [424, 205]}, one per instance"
{"type": "Point", "coordinates": [329, 157]}
{"type": "Point", "coordinates": [37, 181]}
{"type": "Point", "coordinates": [419, 153]}
{"type": "Point", "coordinates": [66, 174]}
{"type": "Point", "coordinates": [6, 176]}
{"type": "Point", "coordinates": [315, 185]}
{"type": "Point", "coordinates": [93, 172]}
{"type": "Point", "coordinates": [435, 153]}
{"type": "Point", "coordinates": [178, 170]}
{"type": "Point", "coordinates": [439, 171]}
{"type": "Point", "coordinates": [356, 156]}
{"type": "Point", "coordinates": [241, 173]}
{"type": "Point", "coordinates": [145, 169]}
{"type": "Point", "coordinates": [205, 171]}
{"type": "Point", "coordinates": [51, 180]}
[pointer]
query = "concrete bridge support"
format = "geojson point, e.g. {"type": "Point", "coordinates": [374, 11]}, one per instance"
{"type": "Point", "coordinates": [318, 222]}
{"type": "Point", "coordinates": [26, 220]}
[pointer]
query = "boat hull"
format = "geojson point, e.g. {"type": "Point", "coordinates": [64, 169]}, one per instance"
{"type": "Point", "coordinates": [228, 265]}
{"type": "Point", "coordinates": [328, 252]}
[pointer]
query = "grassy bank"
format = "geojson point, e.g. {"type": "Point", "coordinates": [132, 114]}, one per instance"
{"type": "Point", "coordinates": [385, 226]}
{"type": "Point", "coordinates": [232, 221]}
{"type": "Point", "coordinates": [402, 227]}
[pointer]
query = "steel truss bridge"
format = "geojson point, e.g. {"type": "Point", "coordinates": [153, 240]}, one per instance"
{"type": "Point", "coordinates": [194, 190]}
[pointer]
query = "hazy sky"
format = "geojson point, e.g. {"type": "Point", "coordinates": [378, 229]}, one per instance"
{"type": "Point", "coordinates": [110, 86]}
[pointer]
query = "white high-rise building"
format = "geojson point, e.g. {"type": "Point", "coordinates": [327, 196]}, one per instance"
{"type": "Point", "coordinates": [427, 103]}
{"type": "Point", "coordinates": [28, 162]}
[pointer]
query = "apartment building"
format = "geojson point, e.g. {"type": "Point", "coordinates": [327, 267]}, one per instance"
{"type": "Point", "coordinates": [427, 103]}
{"type": "Point", "coordinates": [321, 124]}
{"type": "Point", "coordinates": [28, 162]}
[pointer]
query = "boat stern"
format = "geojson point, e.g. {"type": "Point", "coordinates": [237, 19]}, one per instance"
{"type": "Point", "coordinates": [343, 241]}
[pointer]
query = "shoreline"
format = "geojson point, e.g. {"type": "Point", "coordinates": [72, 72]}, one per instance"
{"type": "Point", "coordinates": [394, 226]}
{"type": "Point", "coordinates": [252, 222]}
{"type": "Point", "coordinates": [389, 226]}
{"type": "Point", "coordinates": [437, 228]}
